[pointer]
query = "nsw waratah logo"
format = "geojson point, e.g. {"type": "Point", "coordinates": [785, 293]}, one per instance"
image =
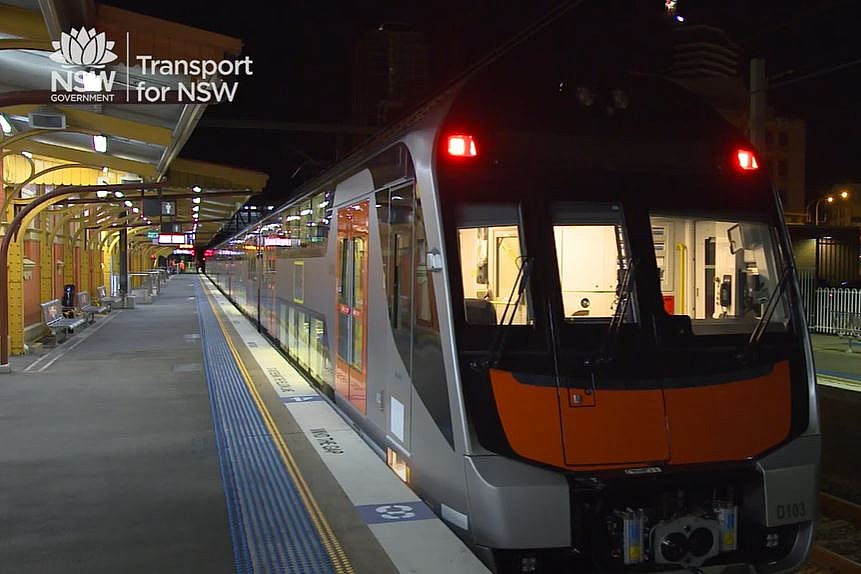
{"type": "Point", "coordinates": [84, 48]}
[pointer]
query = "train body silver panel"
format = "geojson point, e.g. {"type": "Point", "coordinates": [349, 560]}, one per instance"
{"type": "Point", "coordinates": [516, 505]}
{"type": "Point", "coordinates": [493, 500]}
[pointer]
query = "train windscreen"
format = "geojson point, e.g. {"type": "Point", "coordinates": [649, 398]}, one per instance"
{"type": "Point", "coordinates": [721, 272]}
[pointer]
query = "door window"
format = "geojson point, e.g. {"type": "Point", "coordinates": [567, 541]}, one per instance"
{"type": "Point", "coordinates": [592, 258]}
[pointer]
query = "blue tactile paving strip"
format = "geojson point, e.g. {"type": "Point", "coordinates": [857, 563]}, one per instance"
{"type": "Point", "coordinates": [271, 528]}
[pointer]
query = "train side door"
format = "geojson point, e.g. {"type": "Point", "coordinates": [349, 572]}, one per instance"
{"type": "Point", "coordinates": [352, 303]}
{"type": "Point", "coordinates": [396, 220]}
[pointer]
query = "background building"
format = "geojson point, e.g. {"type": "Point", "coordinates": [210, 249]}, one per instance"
{"type": "Point", "coordinates": [390, 73]}
{"type": "Point", "coordinates": [706, 62]}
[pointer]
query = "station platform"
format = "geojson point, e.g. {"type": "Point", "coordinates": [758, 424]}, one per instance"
{"type": "Point", "coordinates": [173, 438]}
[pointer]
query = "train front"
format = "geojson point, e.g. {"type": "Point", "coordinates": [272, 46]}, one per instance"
{"type": "Point", "coordinates": [633, 357]}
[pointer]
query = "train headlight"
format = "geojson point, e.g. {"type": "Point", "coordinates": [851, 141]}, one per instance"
{"type": "Point", "coordinates": [528, 564]}
{"type": "Point", "coordinates": [772, 540]}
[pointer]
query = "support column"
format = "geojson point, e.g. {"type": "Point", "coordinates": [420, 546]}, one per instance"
{"type": "Point", "coordinates": [123, 253]}
{"type": "Point", "coordinates": [106, 268]}
{"type": "Point", "coordinates": [16, 290]}
{"type": "Point", "coordinates": [68, 255]}
{"type": "Point", "coordinates": [85, 268]}
{"type": "Point", "coordinates": [46, 258]}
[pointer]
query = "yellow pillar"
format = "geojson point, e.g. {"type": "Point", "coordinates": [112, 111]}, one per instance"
{"type": "Point", "coordinates": [68, 259]}
{"type": "Point", "coordinates": [15, 259]}
{"type": "Point", "coordinates": [85, 270]}
{"type": "Point", "coordinates": [106, 268]}
{"type": "Point", "coordinates": [46, 258]}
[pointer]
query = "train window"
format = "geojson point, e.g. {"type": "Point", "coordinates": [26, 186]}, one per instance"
{"type": "Point", "coordinates": [491, 263]}
{"type": "Point", "coordinates": [719, 272]}
{"type": "Point", "coordinates": [304, 227]}
{"type": "Point", "coordinates": [395, 217]}
{"type": "Point", "coordinates": [592, 258]}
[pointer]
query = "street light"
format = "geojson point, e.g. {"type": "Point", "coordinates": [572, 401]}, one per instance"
{"type": "Point", "coordinates": [829, 199]}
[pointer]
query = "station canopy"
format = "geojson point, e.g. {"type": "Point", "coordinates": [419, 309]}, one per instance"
{"type": "Point", "coordinates": [142, 141]}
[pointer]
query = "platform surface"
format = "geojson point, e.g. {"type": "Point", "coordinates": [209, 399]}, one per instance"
{"type": "Point", "coordinates": [117, 449]}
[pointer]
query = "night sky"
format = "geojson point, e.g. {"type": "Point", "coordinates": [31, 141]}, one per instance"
{"type": "Point", "coordinates": [302, 53]}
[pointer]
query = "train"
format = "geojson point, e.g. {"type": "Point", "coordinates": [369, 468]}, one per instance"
{"type": "Point", "coordinates": [564, 309]}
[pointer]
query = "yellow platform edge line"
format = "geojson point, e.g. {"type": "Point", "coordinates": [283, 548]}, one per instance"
{"type": "Point", "coordinates": [337, 555]}
{"type": "Point", "coordinates": [839, 382]}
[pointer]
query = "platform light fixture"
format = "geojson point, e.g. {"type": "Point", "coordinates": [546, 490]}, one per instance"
{"type": "Point", "coordinates": [128, 203]}
{"type": "Point", "coordinates": [105, 169]}
{"type": "Point", "coordinates": [100, 143]}
{"type": "Point", "coordinates": [195, 200]}
{"type": "Point", "coordinates": [136, 210]}
{"type": "Point", "coordinates": [195, 208]}
{"type": "Point", "coordinates": [5, 124]}
{"type": "Point", "coordinates": [119, 194]}
{"type": "Point", "coordinates": [196, 189]}
{"type": "Point", "coordinates": [102, 193]}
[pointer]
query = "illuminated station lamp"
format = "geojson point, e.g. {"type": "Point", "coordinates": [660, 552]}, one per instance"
{"type": "Point", "coordinates": [171, 239]}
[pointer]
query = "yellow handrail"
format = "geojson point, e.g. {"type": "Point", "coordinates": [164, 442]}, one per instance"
{"type": "Point", "coordinates": [682, 249]}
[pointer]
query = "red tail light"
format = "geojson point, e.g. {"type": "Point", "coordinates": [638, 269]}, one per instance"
{"type": "Point", "coordinates": [747, 160]}
{"type": "Point", "coordinates": [461, 146]}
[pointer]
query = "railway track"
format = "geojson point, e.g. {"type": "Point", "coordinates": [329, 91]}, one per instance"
{"type": "Point", "coordinates": [838, 537]}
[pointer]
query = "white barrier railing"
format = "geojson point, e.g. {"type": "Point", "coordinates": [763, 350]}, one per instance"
{"type": "Point", "coordinates": [835, 312]}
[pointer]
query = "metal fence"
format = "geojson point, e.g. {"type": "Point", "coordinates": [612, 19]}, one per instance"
{"type": "Point", "coordinates": [837, 312]}
{"type": "Point", "coordinates": [831, 311]}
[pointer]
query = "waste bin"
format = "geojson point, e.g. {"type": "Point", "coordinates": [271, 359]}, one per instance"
{"type": "Point", "coordinates": [68, 300]}
{"type": "Point", "coordinates": [68, 295]}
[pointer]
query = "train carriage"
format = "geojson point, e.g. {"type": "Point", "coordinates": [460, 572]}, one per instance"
{"type": "Point", "coordinates": [565, 311]}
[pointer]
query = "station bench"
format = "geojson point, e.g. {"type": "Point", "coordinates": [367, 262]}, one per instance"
{"type": "Point", "coordinates": [85, 306]}
{"type": "Point", "coordinates": [52, 317]}
{"type": "Point", "coordinates": [104, 300]}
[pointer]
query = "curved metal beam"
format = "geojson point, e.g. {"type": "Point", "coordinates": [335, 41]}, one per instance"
{"type": "Point", "coordinates": [34, 207]}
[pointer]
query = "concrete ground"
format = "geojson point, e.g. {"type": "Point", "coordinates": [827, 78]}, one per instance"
{"type": "Point", "coordinates": [837, 355]}
{"type": "Point", "coordinates": [840, 415]}
{"type": "Point", "coordinates": [107, 459]}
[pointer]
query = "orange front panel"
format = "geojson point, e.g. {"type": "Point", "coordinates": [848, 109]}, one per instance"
{"type": "Point", "coordinates": [729, 421]}
{"type": "Point", "coordinates": [623, 427]}
{"type": "Point", "coordinates": [530, 418]}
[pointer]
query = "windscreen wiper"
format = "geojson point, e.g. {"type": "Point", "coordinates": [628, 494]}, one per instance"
{"type": "Point", "coordinates": [770, 306]}
{"type": "Point", "coordinates": [611, 340]}
{"type": "Point", "coordinates": [516, 295]}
